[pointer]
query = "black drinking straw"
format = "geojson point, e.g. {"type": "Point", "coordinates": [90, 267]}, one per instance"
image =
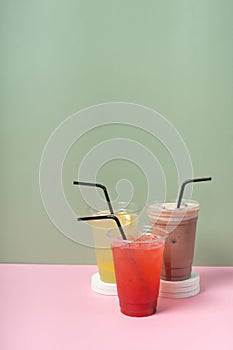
{"type": "Point", "coordinates": [91, 184]}
{"type": "Point", "coordinates": [187, 182]}
{"type": "Point", "coordinates": [103, 217]}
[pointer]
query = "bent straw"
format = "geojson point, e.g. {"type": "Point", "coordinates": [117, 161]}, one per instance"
{"type": "Point", "coordinates": [91, 184]}
{"type": "Point", "coordinates": [187, 182]}
{"type": "Point", "coordinates": [108, 217]}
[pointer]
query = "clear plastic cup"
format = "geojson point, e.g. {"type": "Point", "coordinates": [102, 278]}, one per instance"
{"type": "Point", "coordinates": [181, 226]}
{"type": "Point", "coordinates": [138, 263]}
{"type": "Point", "coordinates": [128, 216]}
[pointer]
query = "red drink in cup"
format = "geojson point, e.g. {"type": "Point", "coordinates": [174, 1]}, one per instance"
{"type": "Point", "coordinates": [138, 266]}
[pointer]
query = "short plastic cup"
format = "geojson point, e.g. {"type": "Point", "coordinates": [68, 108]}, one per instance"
{"type": "Point", "coordinates": [128, 216]}
{"type": "Point", "coordinates": [181, 226]}
{"type": "Point", "coordinates": [138, 266]}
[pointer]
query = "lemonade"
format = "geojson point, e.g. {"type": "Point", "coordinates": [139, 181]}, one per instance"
{"type": "Point", "coordinates": [103, 251]}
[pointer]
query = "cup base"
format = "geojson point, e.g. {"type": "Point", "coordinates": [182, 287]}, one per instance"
{"type": "Point", "coordinates": [138, 310]}
{"type": "Point", "coordinates": [176, 274]}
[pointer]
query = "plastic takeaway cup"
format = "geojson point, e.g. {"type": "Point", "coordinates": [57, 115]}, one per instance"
{"type": "Point", "coordinates": [128, 216]}
{"type": "Point", "coordinates": [138, 264]}
{"type": "Point", "coordinates": [181, 226]}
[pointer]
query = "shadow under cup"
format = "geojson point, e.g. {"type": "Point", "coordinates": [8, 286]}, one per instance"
{"type": "Point", "coordinates": [179, 247]}
{"type": "Point", "coordinates": [128, 216]}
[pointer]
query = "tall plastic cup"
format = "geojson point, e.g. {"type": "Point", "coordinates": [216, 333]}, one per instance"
{"type": "Point", "coordinates": [181, 226]}
{"type": "Point", "coordinates": [128, 216]}
{"type": "Point", "coordinates": [138, 264]}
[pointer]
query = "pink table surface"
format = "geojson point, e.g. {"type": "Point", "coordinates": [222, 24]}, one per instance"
{"type": "Point", "coordinates": [53, 307]}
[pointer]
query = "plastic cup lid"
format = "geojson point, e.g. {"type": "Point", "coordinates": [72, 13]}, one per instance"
{"type": "Point", "coordinates": [181, 286]}
{"type": "Point", "coordinates": [101, 287]}
{"type": "Point", "coordinates": [180, 295]}
{"type": "Point", "coordinates": [178, 290]}
{"type": "Point", "coordinates": [168, 289]}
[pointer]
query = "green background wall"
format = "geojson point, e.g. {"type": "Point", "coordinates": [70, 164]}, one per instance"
{"type": "Point", "coordinates": [58, 57]}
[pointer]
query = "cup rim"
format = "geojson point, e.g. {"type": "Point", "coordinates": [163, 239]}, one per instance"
{"type": "Point", "coordinates": [159, 238]}
{"type": "Point", "coordinates": [124, 208]}
{"type": "Point", "coordinates": [196, 205]}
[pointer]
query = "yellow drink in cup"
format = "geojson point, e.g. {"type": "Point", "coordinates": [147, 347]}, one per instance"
{"type": "Point", "coordinates": [129, 220]}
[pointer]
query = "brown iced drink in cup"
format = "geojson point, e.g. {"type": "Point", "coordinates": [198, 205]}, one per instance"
{"type": "Point", "coordinates": [179, 247]}
{"type": "Point", "coordinates": [180, 220]}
